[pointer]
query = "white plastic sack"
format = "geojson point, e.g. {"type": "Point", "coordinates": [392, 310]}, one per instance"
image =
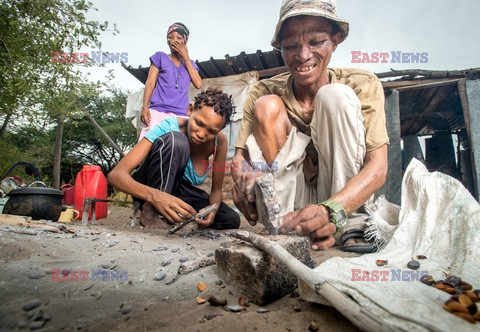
{"type": "Point", "coordinates": [439, 219]}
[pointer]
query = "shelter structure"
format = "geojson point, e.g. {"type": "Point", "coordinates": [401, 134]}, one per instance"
{"type": "Point", "coordinates": [433, 116]}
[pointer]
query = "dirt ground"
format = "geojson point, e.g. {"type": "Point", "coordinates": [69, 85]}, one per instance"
{"type": "Point", "coordinates": [141, 302]}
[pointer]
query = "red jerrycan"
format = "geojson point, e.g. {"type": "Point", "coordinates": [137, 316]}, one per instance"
{"type": "Point", "coordinates": [91, 183]}
{"type": "Point", "coordinates": [68, 194]}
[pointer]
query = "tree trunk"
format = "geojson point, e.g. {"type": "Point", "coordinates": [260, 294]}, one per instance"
{"type": "Point", "coordinates": [58, 151]}
{"type": "Point", "coordinates": [4, 126]}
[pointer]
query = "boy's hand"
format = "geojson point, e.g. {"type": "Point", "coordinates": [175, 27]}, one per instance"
{"type": "Point", "coordinates": [208, 221]}
{"type": "Point", "coordinates": [173, 208]}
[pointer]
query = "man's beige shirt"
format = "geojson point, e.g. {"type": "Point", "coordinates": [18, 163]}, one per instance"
{"type": "Point", "coordinates": [366, 86]}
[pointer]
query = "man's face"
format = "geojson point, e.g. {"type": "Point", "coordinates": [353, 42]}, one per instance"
{"type": "Point", "coordinates": [307, 45]}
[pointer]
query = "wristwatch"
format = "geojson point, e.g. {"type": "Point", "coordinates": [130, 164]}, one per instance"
{"type": "Point", "coordinates": [338, 215]}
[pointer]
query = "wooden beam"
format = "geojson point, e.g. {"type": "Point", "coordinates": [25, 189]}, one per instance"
{"type": "Point", "coordinates": [96, 125]}
{"type": "Point", "coordinates": [469, 91]}
{"type": "Point", "coordinates": [424, 84]}
{"type": "Point", "coordinates": [430, 73]}
{"type": "Point", "coordinates": [265, 73]}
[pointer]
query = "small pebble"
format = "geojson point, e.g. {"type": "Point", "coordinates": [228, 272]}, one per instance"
{"type": "Point", "coordinates": [262, 310]}
{"type": "Point", "coordinates": [34, 275]}
{"type": "Point", "coordinates": [66, 272]}
{"type": "Point", "coordinates": [234, 308]}
{"type": "Point", "coordinates": [183, 259]}
{"type": "Point", "coordinates": [211, 254]}
{"type": "Point", "coordinates": [166, 262]}
{"type": "Point", "coordinates": [32, 304]}
{"type": "Point", "coordinates": [160, 249]}
{"type": "Point", "coordinates": [21, 324]}
{"type": "Point", "coordinates": [125, 310]}
{"type": "Point", "coordinates": [110, 243]}
{"type": "Point", "coordinates": [413, 264]}
{"type": "Point", "coordinates": [159, 276]}
{"type": "Point", "coordinates": [171, 280]}
{"type": "Point", "coordinates": [37, 324]}
{"type": "Point", "coordinates": [175, 249]}
{"type": "Point", "coordinates": [218, 282]}
{"type": "Point", "coordinates": [38, 315]}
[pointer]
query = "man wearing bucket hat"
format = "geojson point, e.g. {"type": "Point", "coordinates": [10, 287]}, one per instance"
{"type": "Point", "coordinates": [321, 131]}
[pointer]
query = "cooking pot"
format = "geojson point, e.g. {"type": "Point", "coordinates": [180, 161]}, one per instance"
{"type": "Point", "coordinates": [36, 202]}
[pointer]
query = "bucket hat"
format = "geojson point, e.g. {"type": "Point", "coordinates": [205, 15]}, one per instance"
{"type": "Point", "coordinates": [321, 8]}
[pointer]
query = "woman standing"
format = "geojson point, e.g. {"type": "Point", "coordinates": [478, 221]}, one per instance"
{"type": "Point", "coordinates": [169, 77]}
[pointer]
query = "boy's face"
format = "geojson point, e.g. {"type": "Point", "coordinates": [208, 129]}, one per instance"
{"type": "Point", "coordinates": [204, 124]}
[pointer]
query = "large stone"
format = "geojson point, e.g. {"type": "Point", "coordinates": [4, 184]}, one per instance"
{"type": "Point", "coordinates": [267, 204]}
{"type": "Point", "coordinates": [256, 274]}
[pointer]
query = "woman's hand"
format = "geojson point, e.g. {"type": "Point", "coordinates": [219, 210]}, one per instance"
{"type": "Point", "coordinates": [181, 49]}
{"type": "Point", "coordinates": [145, 117]}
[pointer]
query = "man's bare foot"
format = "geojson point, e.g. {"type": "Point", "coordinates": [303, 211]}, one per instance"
{"type": "Point", "coordinates": [149, 218]}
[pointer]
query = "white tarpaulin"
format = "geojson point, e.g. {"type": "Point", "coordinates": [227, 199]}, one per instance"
{"type": "Point", "coordinates": [235, 85]}
{"type": "Point", "coordinates": [439, 219]}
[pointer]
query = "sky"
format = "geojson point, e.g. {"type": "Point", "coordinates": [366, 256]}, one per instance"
{"type": "Point", "coordinates": [446, 30]}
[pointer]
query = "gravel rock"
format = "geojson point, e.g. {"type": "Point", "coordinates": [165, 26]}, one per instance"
{"type": "Point", "coordinates": [110, 243]}
{"type": "Point", "coordinates": [37, 324]}
{"type": "Point", "coordinates": [159, 276]}
{"type": "Point", "coordinates": [183, 259]}
{"type": "Point", "coordinates": [175, 249]}
{"type": "Point", "coordinates": [125, 310]}
{"type": "Point", "coordinates": [21, 324]}
{"type": "Point", "coordinates": [34, 275]}
{"type": "Point", "coordinates": [234, 308]}
{"type": "Point", "coordinates": [160, 249]}
{"type": "Point", "coordinates": [66, 272]}
{"type": "Point", "coordinates": [166, 262]}
{"type": "Point", "coordinates": [172, 279]}
{"type": "Point", "coordinates": [31, 304]}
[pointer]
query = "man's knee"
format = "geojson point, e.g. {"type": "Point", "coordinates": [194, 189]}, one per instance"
{"type": "Point", "coordinates": [333, 96]}
{"type": "Point", "coordinates": [268, 107]}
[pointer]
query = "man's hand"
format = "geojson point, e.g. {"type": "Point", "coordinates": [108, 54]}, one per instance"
{"type": "Point", "coordinates": [244, 195]}
{"type": "Point", "coordinates": [313, 220]}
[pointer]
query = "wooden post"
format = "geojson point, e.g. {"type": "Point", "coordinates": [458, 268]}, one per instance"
{"type": "Point", "coordinates": [393, 184]}
{"type": "Point", "coordinates": [471, 109]}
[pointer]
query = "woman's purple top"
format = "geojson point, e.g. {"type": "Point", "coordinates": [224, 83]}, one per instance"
{"type": "Point", "coordinates": [171, 89]}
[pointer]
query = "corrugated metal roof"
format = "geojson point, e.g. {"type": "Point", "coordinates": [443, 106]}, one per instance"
{"type": "Point", "coordinates": [231, 65]}
{"type": "Point", "coordinates": [429, 100]}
